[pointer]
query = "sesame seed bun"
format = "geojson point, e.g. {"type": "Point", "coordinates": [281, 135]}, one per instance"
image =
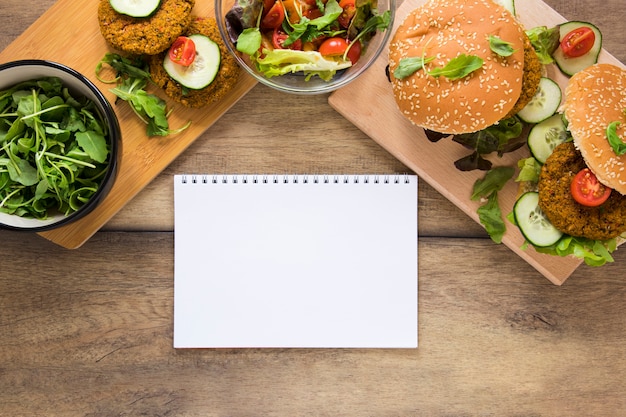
{"type": "Point", "coordinates": [594, 98]}
{"type": "Point", "coordinates": [445, 29]}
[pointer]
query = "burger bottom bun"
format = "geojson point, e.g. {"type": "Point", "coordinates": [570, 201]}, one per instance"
{"type": "Point", "coordinates": [594, 98]}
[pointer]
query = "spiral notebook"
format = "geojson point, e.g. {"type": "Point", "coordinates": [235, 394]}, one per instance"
{"type": "Point", "coordinates": [295, 261]}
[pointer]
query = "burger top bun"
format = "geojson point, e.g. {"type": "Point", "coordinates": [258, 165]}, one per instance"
{"type": "Point", "coordinates": [445, 29]}
{"type": "Point", "coordinates": [594, 98]}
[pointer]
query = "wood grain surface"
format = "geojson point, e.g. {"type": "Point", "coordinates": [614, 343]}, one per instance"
{"type": "Point", "coordinates": [88, 332]}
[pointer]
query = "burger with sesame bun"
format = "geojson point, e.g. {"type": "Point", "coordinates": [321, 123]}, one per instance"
{"type": "Point", "coordinates": [579, 206]}
{"type": "Point", "coordinates": [460, 66]}
{"type": "Point", "coordinates": [582, 185]}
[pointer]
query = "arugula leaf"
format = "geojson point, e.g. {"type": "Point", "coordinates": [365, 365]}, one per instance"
{"type": "Point", "coordinates": [309, 29]}
{"type": "Point", "coordinates": [135, 68]}
{"type": "Point", "coordinates": [619, 147]}
{"type": "Point", "coordinates": [500, 46]}
{"type": "Point", "coordinates": [132, 79]}
{"type": "Point", "coordinates": [94, 144]}
{"type": "Point", "coordinates": [408, 66]}
{"type": "Point", "coordinates": [458, 67]}
{"type": "Point", "coordinates": [43, 166]}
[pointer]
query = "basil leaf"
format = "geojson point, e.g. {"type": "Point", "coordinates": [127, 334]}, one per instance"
{"type": "Point", "coordinates": [409, 66]}
{"type": "Point", "coordinates": [459, 67]}
{"type": "Point", "coordinates": [619, 147]}
{"type": "Point", "coordinates": [500, 47]}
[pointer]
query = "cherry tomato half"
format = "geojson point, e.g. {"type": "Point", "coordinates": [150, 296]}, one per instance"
{"type": "Point", "coordinates": [183, 51]}
{"type": "Point", "coordinates": [274, 17]}
{"type": "Point", "coordinates": [349, 10]}
{"type": "Point", "coordinates": [587, 190]}
{"type": "Point", "coordinates": [278, 41]}
{"type": "Point", "coordinates": [578, 42]}
{"type": "Point", "coordinates": [337, 46]}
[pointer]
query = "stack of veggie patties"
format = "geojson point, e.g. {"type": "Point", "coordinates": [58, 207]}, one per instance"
{"type": "Point", "coordinates": [152, 29]}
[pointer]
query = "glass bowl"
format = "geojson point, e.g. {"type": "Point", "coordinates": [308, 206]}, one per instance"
{"type": "Point", "coordinates": [297, 83]}
{"type": "Point", "coordinates": [79, 87]}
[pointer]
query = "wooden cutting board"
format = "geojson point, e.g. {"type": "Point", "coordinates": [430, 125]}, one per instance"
{"type": "Point", "coordinates": [369, 104]}
{"type": "Point", "coordinates": [68, 33]}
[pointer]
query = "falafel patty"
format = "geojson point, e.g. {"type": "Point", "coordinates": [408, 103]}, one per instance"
{"type": "Point", "coordinates": [224, 81]}
{"type": "Point", "coordinates": [145, 35]}
{"type": "Point", "coordinates": [530, 81]}
{"type": "Point", "coordinates": [555, 200]}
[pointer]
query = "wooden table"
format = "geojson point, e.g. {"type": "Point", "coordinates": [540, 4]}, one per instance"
{"type": "Point", "coordinates": [89, 331]}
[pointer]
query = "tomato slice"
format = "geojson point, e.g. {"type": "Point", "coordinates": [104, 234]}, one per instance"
{"type": "Point", "coordinates": [349, 10]}
{"type": "Point", "coordinates": [578, 42]}
{"type": "Point", "coordinates": [587, 190]}
{"type": "Point", "coordinates": [337, 46]}
{"type": "Point", "coordinates": [274, 17]}
{"type": "Point", "coordinates": [278, 41]}
{"type": "Point", "coordinates": [183, 51]}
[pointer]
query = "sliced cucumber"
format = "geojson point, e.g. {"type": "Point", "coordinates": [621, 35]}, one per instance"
{"type": "Point", "coordinates": [204, 68]}
{"type": "Point", "coordinates": [531, 221]}
{"type": "Point", "coordinates": [545, 136]}
{"type": "Point", "coordinates": [544, 104]}
{"type": "Point", "coordinates": [508, 4]}
{"type": "Point", "coordinates": [571, 66]}
{"type": "Point", "coordinates": [135, 8]}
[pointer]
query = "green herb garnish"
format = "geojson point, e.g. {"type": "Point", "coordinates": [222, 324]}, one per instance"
{"type": "Point", "coordinates": [409, 66]}
{"type": "Point", "coordinates": [132, 77]}
{"type": "Point", "coordinates": [618, 145]}
{"type": "Point", "coordinates": [545, 41]}
{"type": "Point", "coordinates": [500, 47]}
{"type": "Point", "coordinates": [489, 213]}
{"type": "Point", "coordinates": [458, 67]}
{"type": "Point", "coordinates": [53, 149]}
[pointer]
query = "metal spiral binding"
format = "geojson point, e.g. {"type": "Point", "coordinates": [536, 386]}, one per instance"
{"type": "Point", "coordinates": [296, 179]}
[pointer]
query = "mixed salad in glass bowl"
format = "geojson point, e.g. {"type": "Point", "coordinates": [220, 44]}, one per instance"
{"type": "Point", "coordinates": [305, 46]}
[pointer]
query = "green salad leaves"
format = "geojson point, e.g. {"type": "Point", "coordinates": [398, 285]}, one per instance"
{"type": "Point", "coordinates": [132, 78]}
{"type": "Point", "coordinates": [274, 62]}
{"type": "Point", "coordinates": [54, 150]}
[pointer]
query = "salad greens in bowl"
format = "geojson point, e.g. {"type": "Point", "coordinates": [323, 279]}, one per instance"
{"type": "Point", "coordinates": [305, 46]}
{"type": "Point", "coordinates": [59, 145]}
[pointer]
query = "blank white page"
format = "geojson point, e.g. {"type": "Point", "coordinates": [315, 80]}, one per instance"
{"type": "Point", "coordinates": [295, 261]}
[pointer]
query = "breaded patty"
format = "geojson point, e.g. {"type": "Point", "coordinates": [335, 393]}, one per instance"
{"type": "Point", "coordinates": [532, 76]}
{"type": "Point", "coordinates": [147, 35]}
{"type": "Point", "coordinates": [226, 78]}
{"type": "Point", "coordinates": [555, 200]}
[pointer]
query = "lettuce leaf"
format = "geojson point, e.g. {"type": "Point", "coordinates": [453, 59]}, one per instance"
{"type": "Point", "coordinates": [592, 252]}
{"type": "Point", "coordinates": [284, 61]}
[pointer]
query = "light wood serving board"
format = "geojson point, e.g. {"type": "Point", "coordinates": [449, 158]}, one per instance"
{"type": "Point", "coordinates": [68, 33]}
{"type": "Point", "coordinates": [369, 104]}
